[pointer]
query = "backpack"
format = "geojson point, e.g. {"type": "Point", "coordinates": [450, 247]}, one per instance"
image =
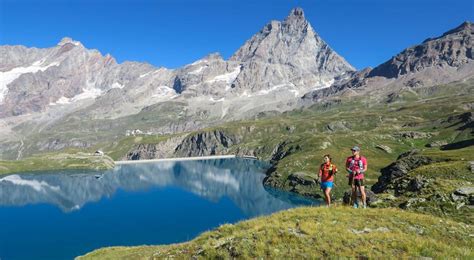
{"type": "Point", "coordinates": [353, 161]}
{"type": "Point", "coordinates": [332, 169]}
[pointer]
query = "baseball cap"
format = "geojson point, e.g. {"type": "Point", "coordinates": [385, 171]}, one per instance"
{"type": "Point", "coordinates": [355, 148]}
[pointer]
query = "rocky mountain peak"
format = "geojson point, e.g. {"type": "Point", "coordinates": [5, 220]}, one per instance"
{"type": "Point", "coordinates": [452, 49]}
{"type": "Point", "coordinates": [295, 21]}
{"type": "Point", "coordinates": [466, 27]}
{"type": "Point", "coordinates": [214, 56]}
{"type": "Point", "coordinates": [292, 42]}
{"type": "Point", "coordinates": [296, 24]}
{"type": "Point", "coordinates": [296, 13]}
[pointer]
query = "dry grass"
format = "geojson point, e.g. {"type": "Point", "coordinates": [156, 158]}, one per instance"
{"type": "Point", "coordinates": [318, 232]}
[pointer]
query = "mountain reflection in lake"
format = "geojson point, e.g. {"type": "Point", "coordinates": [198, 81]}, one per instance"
{"type": "Point", "coordinates": [146, 203]}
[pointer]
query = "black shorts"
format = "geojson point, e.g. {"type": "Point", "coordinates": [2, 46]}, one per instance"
{"type": "Point", "coordinates": [357, 182]}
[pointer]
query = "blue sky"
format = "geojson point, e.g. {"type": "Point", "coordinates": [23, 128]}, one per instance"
{"type": "Point", "coordinates": [173, 33]}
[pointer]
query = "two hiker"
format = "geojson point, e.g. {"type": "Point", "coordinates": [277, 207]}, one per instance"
{"type": "Point", "coordinates": [356, 166]}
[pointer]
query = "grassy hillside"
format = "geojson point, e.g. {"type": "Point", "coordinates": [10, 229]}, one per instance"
{"type": "Point", "coordinates": [57, 161]}
{"type": "Point", "coordinates": [434, 188]}
{"type": "Point", "coordinates": [317, 233]}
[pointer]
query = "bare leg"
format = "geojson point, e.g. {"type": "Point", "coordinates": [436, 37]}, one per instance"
{"type": "Point", "coordinates": [362, 192]}
{"type": "Point", "coordinates": [354, 194]}
{"type": "Point", "coordinates": [327, 195]}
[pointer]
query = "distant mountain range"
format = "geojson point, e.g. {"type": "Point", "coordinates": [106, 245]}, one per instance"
{"type": "Point", "coordinates": [71, 96]}
{"type": "Point", "coordinates": [436, 61]}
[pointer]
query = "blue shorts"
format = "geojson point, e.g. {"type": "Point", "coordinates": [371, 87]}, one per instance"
{"type": "Point", "coordinates": [326, 184]}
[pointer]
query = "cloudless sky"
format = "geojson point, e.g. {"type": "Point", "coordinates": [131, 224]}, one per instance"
{"type": "Point", "coordinates": [173, 33]}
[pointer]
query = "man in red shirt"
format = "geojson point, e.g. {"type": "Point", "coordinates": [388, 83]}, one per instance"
{"type": "Point", "coordinates": [327, 170]}
{"type": "Point", "coordinates": [356, 165]}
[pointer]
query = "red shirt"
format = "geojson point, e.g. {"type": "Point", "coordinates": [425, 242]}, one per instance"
{"type": "Point", "coordinates": [356, 165]}
{"type": "Point", "coordinates": [327, 171]}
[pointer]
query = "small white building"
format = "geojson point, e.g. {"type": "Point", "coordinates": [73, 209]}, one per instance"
{"type": "Point", "coordinates": [134, 132]}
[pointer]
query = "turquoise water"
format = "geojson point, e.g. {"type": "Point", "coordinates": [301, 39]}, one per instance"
{"type": "Point", "coordinates": [63, 214]}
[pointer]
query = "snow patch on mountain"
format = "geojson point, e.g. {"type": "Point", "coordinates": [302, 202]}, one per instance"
{"type": "Point", "coordinates": [198, 70]}
{"type": "Point", "coordinates": [145, 74]}
{"type": "Point", "coordinates": [61, 101]}
{"type": "Point", "coordinates": [8, 77]}
{"type": "Point", "coordinates": [216, 100]}
{"type": "Point", "coordinates": [324, 84]}
{"type": "Point", "coordinates": [164, 92]}
{"type": "Point", "coordinates": [117, 85]}
{"type": "Point", "coordinates": [227, 77]}
{"type": "Point", "coordinates": [88, 93]}
{"type": "Point", "coordinates": [245, 94]}
{"type": "Point", "coordinates": [276, 87]}
{"type": "Point", "coordinates": [198, 62]}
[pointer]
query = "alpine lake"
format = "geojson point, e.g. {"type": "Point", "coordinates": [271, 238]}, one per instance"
{"type": "Point", "coordinates": [63, 214]}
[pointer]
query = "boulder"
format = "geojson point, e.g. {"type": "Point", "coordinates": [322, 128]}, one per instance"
{"type": "Point", "coordinates": [416, 184]}
{"type": "Point", "coordinates": [459, 145]}
{"type": "Point", "coordinates": [338, 126]}
{"type": "Point", "coordinates": [400, 168]}
{"type": "Point", "coordinates": [436, 144]}
{"type": "Point", "coordinates": [371, 197]}
{"type": "Point", "coordinates": [411, 202]}
{"type": "Point", "coordinates": [413, 135]}
{"type": "Point", "coordinates": [465, 191]}
{"type": "Point", "coordinates": [384, 148]}
{"type": "Point", "coordinates": [301, 178]}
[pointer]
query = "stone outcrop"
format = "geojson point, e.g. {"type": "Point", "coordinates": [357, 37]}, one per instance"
{"type": "Point", "coordinates": [215, 142]}
{"type": "Point", "coordinates": [437, 144]}
{"type": "Point", "coordinates": [160, 150]}
{"type": "Point", "coordinates": [337, 126]}
{"type": "Point", "coordinates": [282, 150]}
{"type": "Point", "coordinates": [413, 135]}
{"type": "Point", "coordinates": [463, 196]}
{"type": "Point", "coordinates": [392, 176]}
{"type": "Point", "coordinates": [384, 148]}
